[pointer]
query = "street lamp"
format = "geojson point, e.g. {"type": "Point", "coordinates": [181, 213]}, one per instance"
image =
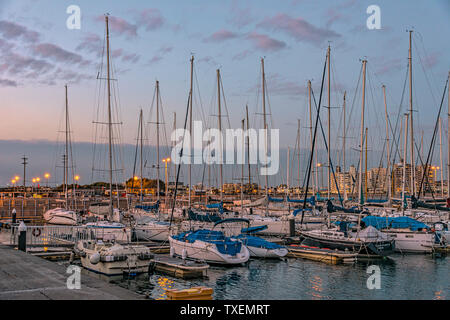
{"type": "Point", "coordinates": [166, 162]}
{"type": "Point", "coordinates": [77, 177]}
{"type": "Point", "coordinates": [33, 181]}
{"type": "Point", "coordinates": [47, 176]}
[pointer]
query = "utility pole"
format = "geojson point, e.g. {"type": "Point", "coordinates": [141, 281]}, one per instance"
{"type": "Point", "coordinates": [25, 162]}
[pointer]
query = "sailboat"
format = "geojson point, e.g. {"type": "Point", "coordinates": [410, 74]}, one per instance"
{"type": "Point", "coordinates": [63, 216]}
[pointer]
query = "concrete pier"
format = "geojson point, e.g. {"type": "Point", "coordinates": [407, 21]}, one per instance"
{"type": "Point", "coordinates": [26, 277]}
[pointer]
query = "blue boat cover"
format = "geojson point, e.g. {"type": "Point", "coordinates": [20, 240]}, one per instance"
{"type": "Point", "coordinates": [206, 217]}
{"type": "Point", "coordinates": [311, 200]}
{"type": "Point", "coordinates": [275, 199]}
{"type": "Point", "coordinates": [154, 207]}
{"type": "Point", "coordinates": [223, 244]}
{"type": "Point", "coordinates": [254, 229]}
{"type": "Point", "coordinates": [256, 242]}
{"type": "Point", "coordinates": [297, 211]}
{"type": "Point", "coordinates": [394, 223]}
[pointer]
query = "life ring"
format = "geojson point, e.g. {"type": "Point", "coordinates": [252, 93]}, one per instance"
{"type": "Point", "coordinates": [36, 232]}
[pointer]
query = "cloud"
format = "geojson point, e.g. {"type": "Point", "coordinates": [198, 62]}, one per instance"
{"type": "Point", "coordinates": [298, 28]}
{"type": "Point", "coordinates": [49, 50]}
{"type": "Point", "coordinates": [19, 65]}
{"type": "Point", "coordinates": [221, 35]}
{"type": "Point", "coordinates": [265, 43]}
{"type": "Point", "coordinates": [7, 83]}
{"type": "Point", "coordinates": [151, 19]}
{"type": "Point", "coordinates": [120, 26]}
{"type": "Point", "coordinates": [242, 55]}
{"type": "Point", "coordinates": [431, 60]}
{"type": "Point", "coordinates": [12, 31]}
{"type": "Point", "coordinates": [132, 58]}
{"type": "Point", "coordinates": [241, 17]}
{"type": "Point", "coordinates": [386, 66]}
{"type": "Point", "coordinates": [155, 59]}
{"type": "Point", "coordinates": [91, 43]}
{"type": "Point", "coordinates": [165, 49]}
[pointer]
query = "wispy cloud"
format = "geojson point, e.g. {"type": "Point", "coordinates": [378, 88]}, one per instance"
{"type": "Point", "coordinates": [120, 26]}
{"type": "Point", "coordinates": [298, 28]}
{"type": "Point", "coordinates": [221, 35]}
{"type": "Point", "coordinates": [52, 51]}
{"type": "Point", "coordinates": [241, 17]}
{"type": "Point", "coordinates": [7, 83]}
{"type": "Point", "coordinates": [151, 19]}
{"type": "Point", "coordinates": [12, 31]}
{"type": "Point", "coordinates": [265, 43]}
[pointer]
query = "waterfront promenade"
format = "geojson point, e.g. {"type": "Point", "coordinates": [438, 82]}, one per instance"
{"type": "Point", "coordinates": [26, 277]}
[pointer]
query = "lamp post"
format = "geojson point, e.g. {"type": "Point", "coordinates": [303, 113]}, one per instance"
{"type": "Point", "coordinates": [166, 162]}
{"type": "Point", "coordinates": [32, 187]}
{"type": "Point", "coordinates": [135, 178]}
{"type": "Point", "coordinates": [77, 177]}
{"type": "Point", "coordinates": [47, 176]}
{"type": "Point", "coordinates": [13, 181]}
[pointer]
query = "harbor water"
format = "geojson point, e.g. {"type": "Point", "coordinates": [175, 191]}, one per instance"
{"type": "Point", "coordinates": [402, 277]}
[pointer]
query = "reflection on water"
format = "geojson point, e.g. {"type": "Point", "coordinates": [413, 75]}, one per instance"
{"type": "Point", "coordinates": [402, 277]}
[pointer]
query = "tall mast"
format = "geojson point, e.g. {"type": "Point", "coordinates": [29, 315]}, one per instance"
{"type": "Point", "coordinates": [329, 121]}
{"type": "Point", "coordinates": [298, 152]}
{"type": "Point", "coordinates": [109, 122]}
{"type": "Point", "coordinates": [405, 153]}
{"type": "Point", "coordinates": [157, 140]}
{"type": "Point", "coordinates": [366, 184]}
{"type": "Point", "coordinates": [388, 149]}
{"type": "Point", "coordinates": [315, 183]}
{"type": "Point", "coordinates": [174, 128]}
{"type": "Point", "coordinates": [413, 165]}
{"type": "Point", "coordinates": [448, 141]}
{"type": "Point", "coordinates": [248, 147]}
{"type": "Point", "coordinates": [66, 158]}
{"type": "Point", "coordinates": [440, 156]}
{"type": "Point", "coordinates": [362, 132]}
{"type": "Point", "coordinates": [242, 167]}
{"type": "Point", "coordinates": [265, 125]}
{"type": "Point", "coordinates": [190, 129]}
{"type": "Point", "coordinates": [141, 141]}
{"type": "Point", "coordinates": [220, 138]}
{"type": "Point", "coordinates": [287, 172]}
{"type": "Point", "coordinates": [343, 151]}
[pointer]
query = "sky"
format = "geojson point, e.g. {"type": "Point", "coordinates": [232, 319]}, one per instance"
{"type": "Point", "coordinates": [154, 40]}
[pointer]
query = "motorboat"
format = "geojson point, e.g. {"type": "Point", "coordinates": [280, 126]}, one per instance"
{"type": "Point", "coordinates": [210, 246]}
{"type": "Point", "coordinates": [148, 229]}
{"type": "Point", "coordinates": [112, 258]}
{"type": "Point", "coordinates": [59, 216]}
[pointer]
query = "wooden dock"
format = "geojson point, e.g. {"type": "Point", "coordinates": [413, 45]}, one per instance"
{"type": "Point", "coordinates": [26, 277]}
{"type": "Point", "coordinates": [178, 268]}
{"type": "Point", "coordinates": [321, 255]}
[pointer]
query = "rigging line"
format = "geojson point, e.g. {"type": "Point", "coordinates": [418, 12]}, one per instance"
{"type": "Point", "coordinates": [314, 142]}
{"type": "Point", "coordinates": [434, 136]}
{"type": "Point", "coordinates": [426, 168]}
{"type": "Point", "coordinates": [425, 73]}
{"type": "Point", "coordinates": [326, 149]}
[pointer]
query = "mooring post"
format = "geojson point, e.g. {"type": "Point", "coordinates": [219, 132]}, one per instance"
{"type": "Point", "coordinates": [22, 237]}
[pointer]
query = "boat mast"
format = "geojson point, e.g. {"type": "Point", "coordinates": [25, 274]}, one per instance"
{"type": "Point", "coordinates": [362, 132]}
{"type": "Point", "coordinates": [220, 138]}
{"type": "Point", "coordinates": [343, 151]}
{"type": "Point", "coordinates": [109, 122]}
{"type": "Point", "coordinates": [265, 127]}
{"type": "Point", "coordinates": [315, 183]}
{"type": "Point", "coordinates": [66, 157]}
{"type": "Point", "coordinates": [404, 163]}
{"type": "Point", "coordinates": [141, 155]}
{"type": "Point", "coordinates": [157, 140]}
{"type": "Point", "coordinates": [413, 169]}
{"type": "Point", "coordinates": [190, 129]}
{"type": "Point", "coordinates": [448, 141]}
{"type": "Point", "coordinates": [298, 152]}
{"type": "Point", "coordinates": [287, 171]}
{"type": "Point", "coordinates": [388, 159]}
{"type": "Point", "coordinates": [440, 155]}
{"type": "Point", "coordinates": [248, 147]}
{"type": "Point", "coordinates": [329, 121]}
{"type": "Point", "coordinates": [366, 184]}
{"type": "Point", "coordinates": [242, 168]}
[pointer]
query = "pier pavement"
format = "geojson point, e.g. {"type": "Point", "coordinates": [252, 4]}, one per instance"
{"type": "Point", "coordinates": [26, 277]}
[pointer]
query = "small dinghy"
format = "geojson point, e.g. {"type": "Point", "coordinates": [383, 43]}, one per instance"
{"type": "Point", "coordinates": [59, 216]}
{"type": "Point", "coordinates": [110, 258]}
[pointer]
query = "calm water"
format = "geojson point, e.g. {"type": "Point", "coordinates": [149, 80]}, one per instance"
{"type": "Point", "coordinates": [403, 277]}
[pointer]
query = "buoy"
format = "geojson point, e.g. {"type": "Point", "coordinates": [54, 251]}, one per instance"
{"type": "Point", "coordinates": [95, 258]}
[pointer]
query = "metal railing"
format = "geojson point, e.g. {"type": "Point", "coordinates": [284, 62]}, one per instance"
{"type": "Point", "coordinates": [54, 236]}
